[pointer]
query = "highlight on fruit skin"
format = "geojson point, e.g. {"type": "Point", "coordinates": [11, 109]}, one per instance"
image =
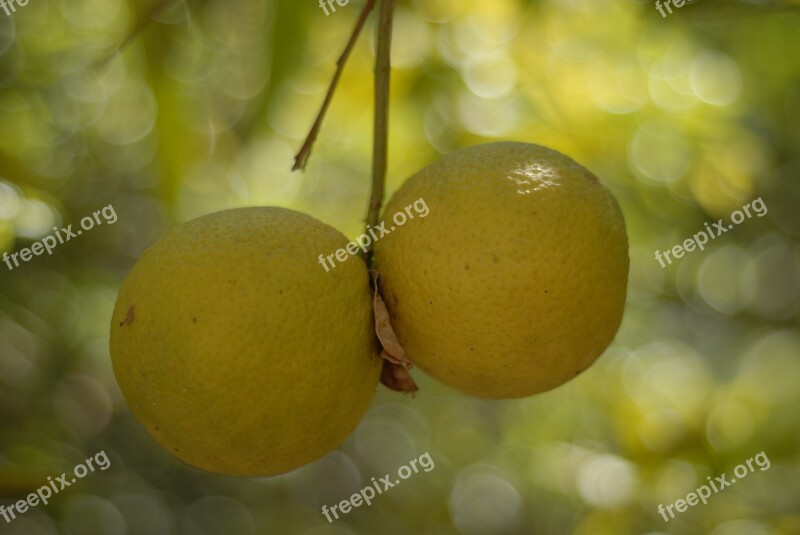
{"type": "Point", "coordinates": [236, 352]}
{"type": "Point", "coordinates": [516, 281]}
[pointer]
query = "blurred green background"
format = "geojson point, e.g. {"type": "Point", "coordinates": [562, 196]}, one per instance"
{"type": "Point", "coordinates": [685, 118]}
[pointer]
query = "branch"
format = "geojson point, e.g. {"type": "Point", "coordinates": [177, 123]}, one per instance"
{"type": "Point", "coordinates": [301, 158]}
{"type": "Point", "coordinates": [381, 128]}
{"type": "Point", "coordinates": [141, 24]}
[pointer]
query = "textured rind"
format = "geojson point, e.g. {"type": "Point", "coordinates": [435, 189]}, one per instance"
{"type": "Point", "coordinates": [241, 354]}
{"type": "Point", "coordinates": [515, 281]}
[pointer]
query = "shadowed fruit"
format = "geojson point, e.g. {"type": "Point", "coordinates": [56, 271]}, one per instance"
{"type": "Point", "coordinates": [515, 282]}
{"type": "Point", "coordinates": [236, 351]}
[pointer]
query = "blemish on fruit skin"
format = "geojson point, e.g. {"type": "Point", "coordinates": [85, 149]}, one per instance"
{"type": "Point", "coordinates": [129, 317]}
{"type": "Point", "coordinates": [593, 179]}
{"type": "Point", "coordinates": [194, 320]}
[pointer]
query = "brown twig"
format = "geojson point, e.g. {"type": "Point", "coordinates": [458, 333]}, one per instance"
{"type": "Point", "coordinates": [301, 158]}
{"type": "Point", "coordinates": [141, 24]}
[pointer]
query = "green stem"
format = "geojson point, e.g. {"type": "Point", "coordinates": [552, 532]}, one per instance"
{"type": "Point", "coordinates": [380, 140]}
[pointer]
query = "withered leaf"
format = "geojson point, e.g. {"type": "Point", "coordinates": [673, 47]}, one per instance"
{"type": "Point", "coordinates": [396, 365]}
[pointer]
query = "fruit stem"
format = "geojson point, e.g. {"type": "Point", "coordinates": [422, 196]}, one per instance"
{"type": "Point", "coordinates": [301, 158]}
{"type": "Point", "coordinates": [380, 140]}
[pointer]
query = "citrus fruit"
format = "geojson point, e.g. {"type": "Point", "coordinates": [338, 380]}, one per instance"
{"type": "Point", "coordinates": [515, 281]}
{"type": "Point", "coordinates": [237, 351]}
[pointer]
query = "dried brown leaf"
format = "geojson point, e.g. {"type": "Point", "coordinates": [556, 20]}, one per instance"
{"type": "Point", "coordinates": [396, 365]}
{"type": "Point", "coordinates": [396, 377]}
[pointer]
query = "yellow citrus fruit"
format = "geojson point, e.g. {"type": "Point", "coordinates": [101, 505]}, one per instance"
{"type": "Point", "coordinates": [237, 351]}
{"type": "Point", "coordinates": [515, 281]}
